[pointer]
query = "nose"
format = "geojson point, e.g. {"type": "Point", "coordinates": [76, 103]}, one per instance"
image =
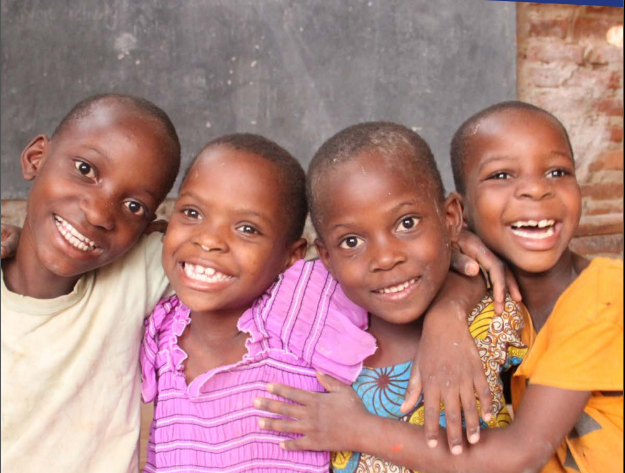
{"type": "Point", "coordinates": [534, 188]}
{"type": "Point", "coordinates": [99, 211]}
{"type": "Point", "coordinates": [386, 253]}
{"type": "Point", "coordinates": [211, 238]}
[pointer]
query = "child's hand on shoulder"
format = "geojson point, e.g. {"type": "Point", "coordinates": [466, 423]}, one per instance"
{"type": "Point", "coordinates": [10, 238]}
{"type": "Point", "coordinates": [327, 421]}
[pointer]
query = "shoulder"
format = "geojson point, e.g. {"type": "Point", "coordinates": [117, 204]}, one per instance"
{"type": "Point", "coordinates": [168, 311]}
{"type": "Point", "coordinates": [138, 258]}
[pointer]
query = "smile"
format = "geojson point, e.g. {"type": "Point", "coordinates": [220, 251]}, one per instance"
{"type": "Point", "coordinates": [397, 291]}
{"type": "Point", "coordinates": [534, 230]}
{"type": "Point", "coordinates": [204, 273]}
{"type": "Point", "coordinates": [73, 236]}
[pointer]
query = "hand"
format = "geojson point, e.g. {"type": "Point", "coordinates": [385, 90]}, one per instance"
{"type": "Point", "coordinates": [156, 226]}
{"type": "Point", "coordinates": [471, 254]}
{"type": "Point", "coordinates": [448, 368]}
{"type": "Point", "coordinates": [327, 421]}
{"type": "Point", "coordinates": [10, 237]}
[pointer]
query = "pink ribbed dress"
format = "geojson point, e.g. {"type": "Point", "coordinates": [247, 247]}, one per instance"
{"type": "Point", "coordinates": [303, 323]}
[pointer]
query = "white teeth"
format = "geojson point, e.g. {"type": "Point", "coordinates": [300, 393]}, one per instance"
{"type": "Point", "coordinates": [546, 223]}
{"type": "Point", "coordinates": [399, 288]}
{"type": "Point", "coordinates": [73, 236]}
{"type": "Point", "coordinates": [203, 273]}
{"type": "Point", "coordinates": [534, 235]}
{"type": "Point", "coordinates": [533, 223]}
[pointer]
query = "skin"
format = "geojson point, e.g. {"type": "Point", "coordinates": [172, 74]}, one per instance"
{"type": "Point", "coordinates": [229, 217]}
{"type": "Point", "coordinates": [528, 158]}
{"type": "Point", "coordinates": [99, 175]}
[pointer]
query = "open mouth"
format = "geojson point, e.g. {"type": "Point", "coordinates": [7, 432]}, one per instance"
{"type": "Point", "coordinates": [73, 236]}
{"type": "Point", "coordinates": [535, 230]}
{"type": "Point", "coordinates": [398, 288]}
{"type": "Point", "coordinates": [204, 273]}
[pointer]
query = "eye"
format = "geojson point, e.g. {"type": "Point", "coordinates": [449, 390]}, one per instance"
{"type": "Point", "coordinates": [248, 229]}
{"type": "Point", "coordinates": [192, 214]}
{"type": "Point", "coordinates": [350, 243]}
{"type": "Point", "coordinates": [558, 173]}
{"type": "Point", "coordinates": [407, 224]}
{"type": "Point", "coordinates": [499, 175]}
{"type": "Point", "coordinates": [135, 207]}
{"type": "Point", "coordinates": [85, 169]}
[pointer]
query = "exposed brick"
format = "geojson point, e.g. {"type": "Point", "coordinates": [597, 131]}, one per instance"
{"type": "Point", "coordinates": [614, 12]}
{"type": "Point", "coordinates": [544, 76]}
{"type": "Point", "coordinates": [548, 27]}
{"type": "Point", "coordinates": [604, 54]}
{"type": "Point", "coordinates": [594, 27]}
{"type": "Point", "coordinates": [608, 161]}
{"type": "Point", "coordinates": [611, 107]}
{"type": "Point", "coordinates": [616, 134]}
{"type": "Point", "coordinates": [602, 245]}
{"type": "Point", "coordinates": [593, 78]}
{"type": "Point", "coordinates": [600, 225]}
{"type": "Point", "coordinates": [556, 52]}
{"type": "Point", "coordinates": [604, 207]}
{"type": "Point", "coordinates": [601, 191]}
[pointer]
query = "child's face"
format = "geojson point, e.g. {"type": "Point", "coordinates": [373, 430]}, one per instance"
{"type": "Point", "coordinates": [522, 197]}
{"type": "Point", "coordinates": [96, 187]}
{"type": "Point", "coordinates": [385, 237]}
{"type": "Point", "coordinates": [226, 241]}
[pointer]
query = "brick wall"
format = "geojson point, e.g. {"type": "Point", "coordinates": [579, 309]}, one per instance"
{"type": "Point", "coordinates": [566, 65]}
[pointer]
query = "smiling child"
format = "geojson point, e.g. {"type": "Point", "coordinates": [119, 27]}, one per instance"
{"type": "Point", "coordinates": [75, 295]}
{"type": "Point", "coordinates": [513, 165]}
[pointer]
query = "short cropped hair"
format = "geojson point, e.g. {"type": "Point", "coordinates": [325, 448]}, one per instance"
{"type": "Point", "coordinates": [395, 142]}
{"type": "Point", "coordinates": [147, 109]}
{"type": "Point", "coordinates": [458, 148]}
{"type": "Point", "coordinates": [292, 175]}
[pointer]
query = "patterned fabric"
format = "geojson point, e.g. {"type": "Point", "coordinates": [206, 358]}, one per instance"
{"type": "Point", "coordinates": [302, 324]}
{"type": "Point", "coordinates": [382, 390]}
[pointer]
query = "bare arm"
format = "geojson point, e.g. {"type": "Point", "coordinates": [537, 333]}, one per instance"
{"type": "Point", "coordinates": [338, 421]}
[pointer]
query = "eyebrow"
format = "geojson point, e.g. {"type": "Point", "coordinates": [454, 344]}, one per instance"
{"type": "Point", "coordinates": [391, 210]}
{"type": "Point", "coordinates": [239, 211]}
{"type": "Point", "coordinates": [487, 161]}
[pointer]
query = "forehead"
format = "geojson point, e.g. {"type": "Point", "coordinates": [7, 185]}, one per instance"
{"type": "Point", "coordinates": [231, 175]}
{"type": "Point", "coordinates": [372, 179]}
{"type": "Point", "coordinates": [515, 129]}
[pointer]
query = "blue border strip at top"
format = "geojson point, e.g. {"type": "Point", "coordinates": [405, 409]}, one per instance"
{"type": "Point", "coordinates": [599, 3]}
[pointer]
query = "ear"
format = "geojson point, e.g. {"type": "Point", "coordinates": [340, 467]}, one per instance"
{"type": "Point", "coordinates": [453, 216]}
{"type": "Point", "coordinates": [296, 251]}
{"type": "Point", "coordinates": [323, 253]}
{"type": "Point", "coordinates": [34, 155]}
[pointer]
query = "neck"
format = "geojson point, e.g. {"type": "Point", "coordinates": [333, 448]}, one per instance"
{"type": "Point", "coordinates": [25, 275]}
{"type": "Point", "coordinates": [542, 290]}
{"type": "Point", "coordinates": [216, 326]}
{"type": "Point", "coordinates": [397, 343]}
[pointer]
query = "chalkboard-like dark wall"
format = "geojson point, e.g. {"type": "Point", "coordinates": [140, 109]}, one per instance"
{"type": "Point", "coordinates": [295, 71]}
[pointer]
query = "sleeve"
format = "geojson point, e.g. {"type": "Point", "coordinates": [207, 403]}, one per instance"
{"type": "Point", "coordinates": [150, 347]}
{"type": "Point", "coordinates": [306, 314]}
{"type": "Point", "coordinates": [156, 281]}
{"type": "Point", "coordinates": [582, 348]}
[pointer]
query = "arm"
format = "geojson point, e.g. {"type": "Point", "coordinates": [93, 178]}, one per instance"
{"type": "Point", "coordinates": [447, 365]}
{"type": "Point", "coordinates": [338, 421]}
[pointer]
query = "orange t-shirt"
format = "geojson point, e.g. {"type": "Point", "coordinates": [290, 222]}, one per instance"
{"type": "Point", "coordinates": [580, 348]}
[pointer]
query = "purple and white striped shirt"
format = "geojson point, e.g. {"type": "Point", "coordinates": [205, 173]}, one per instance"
{"type": "Point", "coordinates": [303, 323]}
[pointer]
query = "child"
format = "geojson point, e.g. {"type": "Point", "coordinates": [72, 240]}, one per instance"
{"type": "Point", "coordinates": [514, 165]}
{"type": "Point", "coordinates": [74, 296]}
{"type": "Point", "coordinates": [385, 231]}
{"type": "Point", "coordinates": [236, 226]}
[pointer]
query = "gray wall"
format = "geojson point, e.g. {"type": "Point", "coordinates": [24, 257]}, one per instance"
{"type": "Point", "coordinates": [295, 71]}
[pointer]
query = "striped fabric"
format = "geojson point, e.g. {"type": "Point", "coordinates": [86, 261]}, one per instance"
{"type": "Point", "coordinates": [303, 323]}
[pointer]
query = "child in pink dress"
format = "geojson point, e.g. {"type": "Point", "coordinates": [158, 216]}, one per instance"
{"type": "Point", "coordinates": [236, 227]}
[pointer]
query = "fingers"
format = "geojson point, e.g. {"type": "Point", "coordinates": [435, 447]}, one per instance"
{"type": "Point", "coordinates": [484, 395]}
{"type": "Point", "coordinates": [431, 403]}
{"type": "Point", "coordinates": [301, 443]}
{"type": "Point", "coordinates": [280, 425]}
{"type": "Point", "coordinates": [293, 394]}
{"type": "Point", "coordinates": [414, 389]}
{"type": "Point", "coordinates": [513, 287]}
{"type": "Point", "coordinates": [331, 384]}
{"type": "Point", "coordinates": [471, 416]}
{"type": "Point", "coordinates": [453, 419]}
{"type": "Point", "coordinates": [278, 407]}
{"type": "Point", "coordinates": [464, 264]}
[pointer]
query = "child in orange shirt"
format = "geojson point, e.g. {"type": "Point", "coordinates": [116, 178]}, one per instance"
{"type": "Point", "coordinates": [513, 165]}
